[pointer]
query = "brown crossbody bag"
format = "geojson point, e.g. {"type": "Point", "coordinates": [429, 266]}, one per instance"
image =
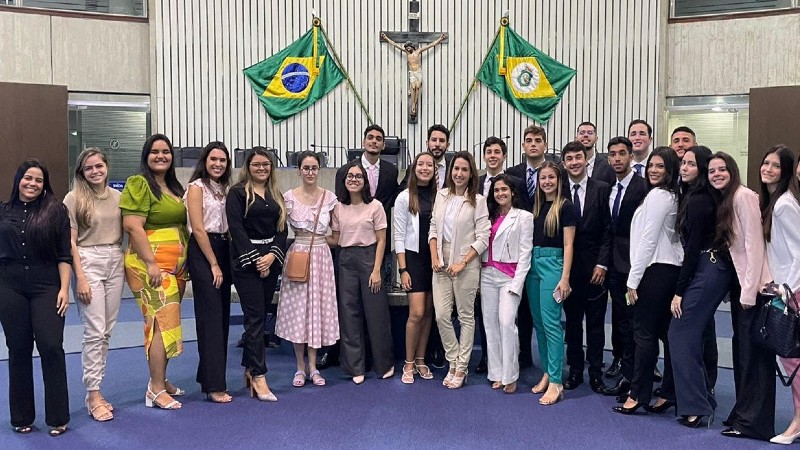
{"type": "Point", "coordinates": [298, 262]}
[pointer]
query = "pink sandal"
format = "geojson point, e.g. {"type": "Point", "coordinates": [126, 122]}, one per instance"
{"type": "Point", "coordinates": [299, 379]}
{"type": "Point", "coordinates": [319, 381]}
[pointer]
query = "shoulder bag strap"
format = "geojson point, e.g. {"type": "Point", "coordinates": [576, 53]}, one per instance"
{"type": "Point", "coordinates": [316, 219]}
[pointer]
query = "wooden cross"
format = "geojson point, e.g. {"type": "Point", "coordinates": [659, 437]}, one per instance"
{"type": "Point", "coordinates": [417, 38]}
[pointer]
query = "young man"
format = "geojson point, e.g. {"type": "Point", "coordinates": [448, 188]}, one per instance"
{"type": "Point", "coordinates": [437, 144]}
{"type": "Point", "coordinates": [596, 165]}
{"type": "Point", "coordinates": [590, 263]}
{"type": "Point", "coordinates": [640, 134]}
{"type": "Point", "coordinates": [534, 145]}
{"type": "Point", "coordinates": [625, 196]}
{"type": "Point", "coordinates": [682, 139]}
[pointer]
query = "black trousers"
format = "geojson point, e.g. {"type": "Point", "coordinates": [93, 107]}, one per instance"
{"type": "Point", "coordinates": [622, 341]}
{"type": "Point", "coordinates": [28, 296]}
{"type": "Point", "coordinates": [587, 300]}
{"type": "Point", "coordinates": [651, 318]}
{"type": "Point", "coordinates": [255, 297]}
{"type": "Point", "coordinates": [212, 311]}
{"type": "Point", "coordinates": [479, 320]}
{"type": "Point", "coordinates": [753, 374]}
{"type": "Point", "coordinates": [525, 330]}
{"type": "Point", "coordinates": [687, 335]}
{"type": "Point", "coordinates": [358, 306]}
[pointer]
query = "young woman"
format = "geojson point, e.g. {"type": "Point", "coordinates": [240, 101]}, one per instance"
{"type": "Point", "coordinates": [359, 228]}
{"type": "Point", "coordinates": [505, 267]}
{"type": "Point", "coordinates": [34, 291]}
{"type": "Point", "coordinates": [411, 225]}
{"type": "Point", "coordinates": [459, 233]}
{"type": "Point", "coordinates": [739, 228]}
{"type": "Point", "coordinates": [547, 283]}
{"type": "Point", "coordinates": [208, 261]}
{"type": "Point", "coordinates": [704, 280]}
{"type": "Point", "coordinates": [256, 216]}
{"type": "Point", "coordinates": [154, 217]}
{"type": "Point", "coordinates": [655, 266]}
{"type": "Point", "coordinates": [307, 313]}
{"type": "Point", "coordinates": [780, 211]}
{"type": "Point", "coordinates": [96, 235]}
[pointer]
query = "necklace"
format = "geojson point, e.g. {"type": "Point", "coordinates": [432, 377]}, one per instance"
{"type": "Point", "coordinates": [102, 196]}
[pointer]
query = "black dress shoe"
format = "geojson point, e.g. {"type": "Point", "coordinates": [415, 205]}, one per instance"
{"type": "Point", "coordinates": [622, 387]}
{"type": "Point", "coordinates": [657, 375]}
{"type": "Point", "coordinates": [596, 383]}
{"type": "Point", "coordinates": [573, 381]}
{"type": "Point", "coordinates": [661, 408]}
{"type": "Point", "coordinates": [615, 369]}
{"type": "Point", "coordinates": [626, 411]}
{"type": "Point", "coordinates": [691, 423]}
{"type": "Point", "coordinates": [481, 367]}
{"type": "Point", "coordinates": [732, 432]}
{"type": "Point", "coordinates": [240, 344]}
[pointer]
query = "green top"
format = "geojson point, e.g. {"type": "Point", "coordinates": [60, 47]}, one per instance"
{"type": "Point", "coordinates": [138, 200]}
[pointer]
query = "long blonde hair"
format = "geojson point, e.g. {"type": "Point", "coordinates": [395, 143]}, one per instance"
{"type": "Point", "coordinates": [272, 184]}
{"type": "Point", "coordinates": [552, 222]}
{"type": "Point", "coordinates": [84, 194]}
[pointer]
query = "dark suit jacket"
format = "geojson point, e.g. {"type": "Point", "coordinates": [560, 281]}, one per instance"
{"type": "Point", "coordinates": [621, 230]}
{"type": "Point", "coordinates": [519, 185]}
{"type": "Point", "coordinates": [385, 193]}
{"type": "Point", "coordinates": [603, 171]}
{"type": "Point", "coordinates": [593, 233]}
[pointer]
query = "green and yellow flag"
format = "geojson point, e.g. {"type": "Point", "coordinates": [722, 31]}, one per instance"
{"type": "Point", "coordinates": [524, 76]}
{"type": "Point", "coordinates": [294, 78]}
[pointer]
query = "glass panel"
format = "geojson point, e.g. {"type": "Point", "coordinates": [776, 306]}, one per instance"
{"type": "Point", "coordinates": [721, 123]}
{"type": "Point", "coordinates": [688, 8]}
{"type": "Point", "coordinates": [135, 8]}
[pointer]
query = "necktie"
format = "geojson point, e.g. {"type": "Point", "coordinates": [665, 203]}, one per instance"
{"type": "Point", "coordinates": [373, 180]}
{"type": "Point", "coordinates": [617, 199]}
{"type": "Point", "coordinates": [638, 168]}
{"type": "Point", "coordinates": [489, 187]}
{"type": "Point", "coordinates": [531, 182]}
{"type": "Point", "coordinates": [576, 199]}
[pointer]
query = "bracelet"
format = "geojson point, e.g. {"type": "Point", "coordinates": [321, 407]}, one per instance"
{"type": "Point", "coordinates": [464, 262]}
{"type": "Point", "coordinates": [402, 270]}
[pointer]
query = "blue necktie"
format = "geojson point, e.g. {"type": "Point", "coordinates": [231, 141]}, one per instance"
{"type": "Point", "coordinates": [531, 182]}
{"type": "Point", "coordinates": [638, 168]}
{"type": "Point", "coordinates": [576, 200]}
{"type": "Point", "coordinates": [617, 199]}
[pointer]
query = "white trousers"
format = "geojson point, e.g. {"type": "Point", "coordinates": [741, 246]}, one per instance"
{"type": "Point", "coordinates": [499, 320]}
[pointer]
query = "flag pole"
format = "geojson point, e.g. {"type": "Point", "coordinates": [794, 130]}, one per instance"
{"type": "Point", "coordinates": [318, 23]}
{"type": "Point", "coordinates": [503, 24]}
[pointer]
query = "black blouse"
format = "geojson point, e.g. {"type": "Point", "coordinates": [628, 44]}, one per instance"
{"type": "Point", "coordinates": [261, 223]}
{"type": "Point", "coordinates": [697, 234]}
{"type": "Point", "coordinates": [567, 218]}
{"type": "Point", "coordinates": [17, 247]}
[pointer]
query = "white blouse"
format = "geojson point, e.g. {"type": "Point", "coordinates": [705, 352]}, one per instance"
{"type": "Point", "coordinates": [653, 236]}
{"type": "Point", "coordinates": [783, 249]}
{"type": "Point", "coordinates": [214, 218]}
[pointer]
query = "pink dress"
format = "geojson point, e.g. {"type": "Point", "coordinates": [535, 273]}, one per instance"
{"type": "Point", "coordinates": [307, 312]}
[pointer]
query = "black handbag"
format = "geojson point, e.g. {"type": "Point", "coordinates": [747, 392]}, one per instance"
{"type": "Point", "coordinates": [777, 329]}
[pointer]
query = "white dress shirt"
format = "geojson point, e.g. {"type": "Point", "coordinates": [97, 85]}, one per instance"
{"type": "Point", "coordinates": [653, 236]}
{"type": "Point", "coordinates": [488, 182]}
{"type": "Point", "coordinates": [614, 188]}
{"type": "Point", "coordinates": [590, 164]}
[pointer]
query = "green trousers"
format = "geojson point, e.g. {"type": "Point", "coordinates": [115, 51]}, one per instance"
{"type": "Point", "coordinates": [545, 273]}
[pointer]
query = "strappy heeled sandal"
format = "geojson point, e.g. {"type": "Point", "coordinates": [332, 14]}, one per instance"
{"type": "Point", "coordinates": [458, 381]}
{"type": "Point", "coordinates": [152, 402]}
{"type": "Point", "coordinates": [100, 417]}
{"type": "Point", "coordinates": [427, 374]}
{"type": "Point", "coordinates": [408, 374]}
{"type": "Point", "coordinates": [178, 391]}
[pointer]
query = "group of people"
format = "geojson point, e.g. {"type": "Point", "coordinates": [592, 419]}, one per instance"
{"type": "Point", "coordinates": [668, 234]}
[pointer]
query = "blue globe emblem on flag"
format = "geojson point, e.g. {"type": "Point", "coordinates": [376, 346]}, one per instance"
{"type": "Point", "coordinates": [295, 77]}
{"type": "Point", "coordinates": [525, 77]}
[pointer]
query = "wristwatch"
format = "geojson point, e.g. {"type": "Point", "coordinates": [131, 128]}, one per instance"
{"type": "Point", "coordinates": [402, 270]}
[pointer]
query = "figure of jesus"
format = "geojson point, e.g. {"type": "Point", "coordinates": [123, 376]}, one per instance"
{"type": "Point", "coordinates": [414, 67]}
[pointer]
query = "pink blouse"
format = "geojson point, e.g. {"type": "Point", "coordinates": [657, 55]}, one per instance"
{"type": "Point", "coordinates": [507, 268]}
{"type": "Point", "coordinates": [357, 224]}
{"type": "Point", "coordinates": [214, 218]}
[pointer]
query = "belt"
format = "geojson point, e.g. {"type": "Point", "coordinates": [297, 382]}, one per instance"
{"type": "Point", "coordinates": [262, 241]}
{"type": "Point", "coordinates": [218, 236]}
{"type": "Point", "coordinates": [548, 251]}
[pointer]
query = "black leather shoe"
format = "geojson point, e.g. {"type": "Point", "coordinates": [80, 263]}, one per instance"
{"type": "Point", "coordinates": [626, 411]}
{"type": "Point", "coordinates": [661, 408]}
{"type": "Point", "coordinates": [657, 375]}
{"type": "Point", "coordinates": [622, 387]}
{"type": "Point", "coordinates": [691, 423]}
{"type": "Point", "coordinates": [240, 344]}
{"type": "Point", "coordinates": [615, 369]}
{"type": "Point", "coordinates": [622, 398]}
{"type": "Point", "coordinates": [732, 432]}
{"type": "Point", "coordinates": [596, 383]}
{"type": "Point", "coordinates": [481, 367]}
{"type": "Point", "coordinates": [573, 381]}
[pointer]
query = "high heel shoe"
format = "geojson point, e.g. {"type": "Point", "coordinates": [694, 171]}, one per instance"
{"type": "Point", "coordinates": [785, 440]}
{"type": "Point", "coordinates": [627, 411]}
{"type": "Point", "coordinates": [449, 377]}
{"type": "Point", "coordinates": [25, 429]}
{"type": "Point", "coordinates": [389, 374]}
{"type": "Point", "coordinates": [660, 408]}
{"type": "Point", "coordinates": [408, 374]}
{"type": "Point", "coordinates": [57, 431]}
{"type": "Point", "coordinates": [693, 423]}
{"type": "Point", "coordinates": [151, 399]}
{"type": "Point", "coordinates": [458, 381]}
{"type": "Point", "coordinates": [100, 416]}
{"type": "Point", "coordinates": [217, 397]}
{"type": "Point", "coordinates": [178, 392]}
{"type": "Point", "coordinates": [559, 396]}
{"type": "Point", "coordinates": [268, 396]}
{"type": "Point", "coordinates": [426, 374]}
{"type": "Point", "coordinates": [359, 379]}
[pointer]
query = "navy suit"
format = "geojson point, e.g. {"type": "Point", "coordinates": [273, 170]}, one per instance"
{"type": "Point", "coordinates": [602, 170]}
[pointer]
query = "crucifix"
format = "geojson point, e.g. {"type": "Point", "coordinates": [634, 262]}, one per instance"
{"type": "Point", "coordinates": [411, 42]}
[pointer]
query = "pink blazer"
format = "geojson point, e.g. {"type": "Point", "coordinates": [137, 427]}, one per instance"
{"type": "Point", "coordinates": [748, 250]}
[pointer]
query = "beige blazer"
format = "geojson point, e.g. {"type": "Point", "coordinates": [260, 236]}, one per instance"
{"type": "Point", "coordinates": [471, 226]}
{"type": "Point", "coordinates": [748, 250]}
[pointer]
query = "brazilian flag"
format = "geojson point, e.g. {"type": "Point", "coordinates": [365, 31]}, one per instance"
{"type": "Point", "coordinates": [524, 76]}
{"type": "Point", "coordinates": [294, 78]}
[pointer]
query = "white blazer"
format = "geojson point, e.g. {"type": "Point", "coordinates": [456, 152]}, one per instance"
{"type": "Point", "coordinates": [513, 243]}
{"type": "Point", "coordinates": [783, 249]}
{"type": "Point", "coordinates": [405, 226]}
{"type": "Point", "coordinates": [470, 226]}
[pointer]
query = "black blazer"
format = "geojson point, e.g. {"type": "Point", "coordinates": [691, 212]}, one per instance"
{"type": "Point", "coordinates": [385, 193]}
{"type": "Point", "coordinates": [621, 230]}
{"type": "Point", "coordinates": [521, 171]}
{"type": "Point", "coordinates": [593, 233]}
{"type": "Point", "coordinates": [519, 185]}
{"type": "Point", "coordinates": [602, 170]}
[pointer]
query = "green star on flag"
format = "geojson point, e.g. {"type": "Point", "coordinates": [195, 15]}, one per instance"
{"type": "Point", "coordinates": [296, 77]}
{"type": "Point", "coordinates": [523, 75]}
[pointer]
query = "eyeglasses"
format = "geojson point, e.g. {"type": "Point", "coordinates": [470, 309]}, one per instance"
{"type": "Point", "coordinates": [354, 176]}
{"type": "Point", "coordinates": [262, 165]}
{"type": "Point", "coordinates": [307, 169]}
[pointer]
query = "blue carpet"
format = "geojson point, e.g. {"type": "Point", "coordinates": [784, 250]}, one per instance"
{"type": "Point", "coordinates": [377, 414]}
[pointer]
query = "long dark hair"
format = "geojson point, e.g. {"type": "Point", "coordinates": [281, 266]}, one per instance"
{"type": "Point", "coordinates": [366, 197]}
{"type": "Point", "coordinates": [491, 203]}
{"type": "Point", "coordinates": [413, 183]}
{"type": "Point", "coordinates": [45, 212]}
{"type": "Point", "coordinates": [472, 183]}
{"type": "Point", "coordinates": [170, 178]}
{"type": "Point", "coordinates": [672, 166]}
{"type": "Point", "coordinates": [201, 172]}
{"type": "Point", "coordinates": [787, 182]}
{"type": "Point", "coordinates": [700, 184]}
{"type": "Point", "coordinates": [724, 198]}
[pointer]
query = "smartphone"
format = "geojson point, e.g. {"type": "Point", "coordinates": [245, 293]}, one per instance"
{"type": "Point", "coordinates": [557, 295]}
{"type": "Point", "coordinates": [771, 289]}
